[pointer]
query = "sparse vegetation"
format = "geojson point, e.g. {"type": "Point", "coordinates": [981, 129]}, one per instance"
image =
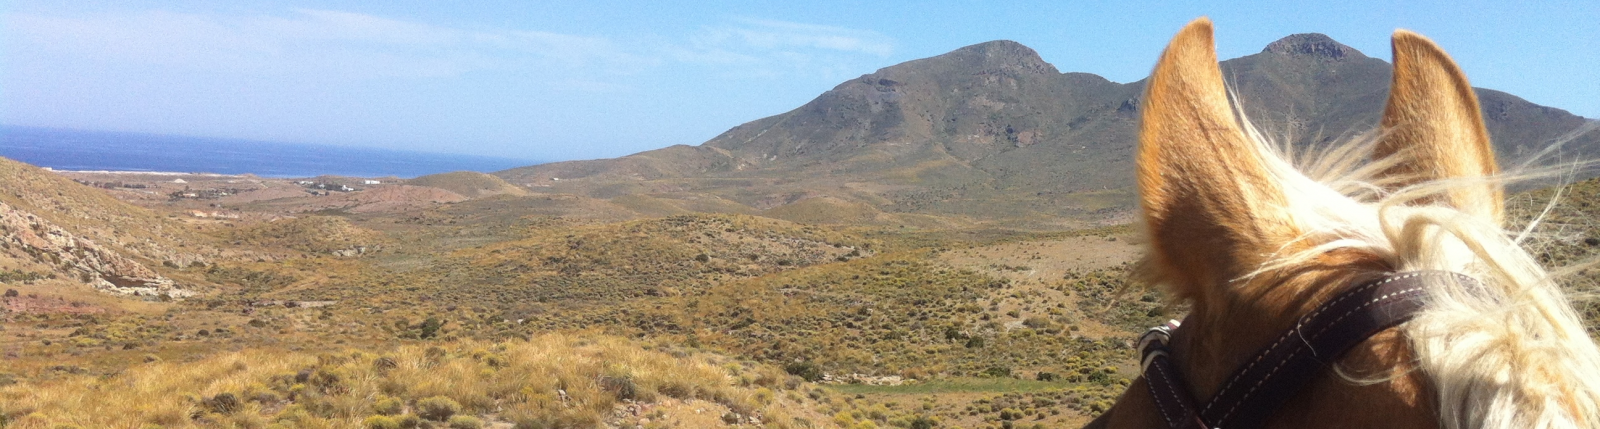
{"type": "Point", "coordinates": [437, 408]}
{"type": "Point", "coordinates": [535, 321]}
{"type": "Point", "coordinates": [555, 378]}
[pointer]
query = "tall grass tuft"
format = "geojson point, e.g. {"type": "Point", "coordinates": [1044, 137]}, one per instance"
{"type": "Point", "coordinates": [551, 380]}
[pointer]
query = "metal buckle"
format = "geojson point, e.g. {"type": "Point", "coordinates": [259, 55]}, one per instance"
{"type": "Point", "coordinates": [1159, 336]}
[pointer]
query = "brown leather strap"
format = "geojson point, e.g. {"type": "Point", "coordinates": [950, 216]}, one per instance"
{"type": "Point", "coordinates": [1258, 388]}
{"type": "Point", "coordinates": [1171, 394]}
{"type": "Point", "coordinates": [1166, 384]}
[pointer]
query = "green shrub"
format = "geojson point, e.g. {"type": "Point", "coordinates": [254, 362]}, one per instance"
{"type": "Point", "coordinates": [409, 421]}
{"type": "Point", "coordinates": [430, 327]}
{"type": "Point", "coordinates": [388, 406]}
{"type": "Point", "coordinates": [435, 354]}
{"type": "Point", "coordinates": [1100, 377]}
{"type": "Point", "coordinates": [465, 422]}
{"type": "Point", "coordinates": [437, 408]}
{"type": "Point", "coordinates": [676, 389]}
{"type": "Point", "coordinates": [997, 371]}
{"type": "Point", "coordinates": [622, 387]}
{"type": "Point", "coordinates": [954, 333]}
{"type": "Point", "coordinates": [223, 403]}
{"type": "Point", "coordinates": [1037, 322]}
{"type": "Point", "coordinates": [528, 423]}
{"type": "Point", "coordinates": [806, 370]}
{"type": "Point", "coordinates": [329, 380]}
{"type": "Point", "coordinates": [380, 422]}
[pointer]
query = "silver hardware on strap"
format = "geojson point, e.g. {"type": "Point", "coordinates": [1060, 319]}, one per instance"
{"type": "Point", "coordinates": [1159, 335]}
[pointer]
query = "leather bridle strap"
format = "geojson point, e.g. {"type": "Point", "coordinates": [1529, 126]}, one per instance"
{"type": "Point", "coordinates": [1296, 357]}
{"type": "Point", "coordinates": [1167, 388]}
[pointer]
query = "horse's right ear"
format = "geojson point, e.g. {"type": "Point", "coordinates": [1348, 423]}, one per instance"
{"type": "Point", "coordinates": [1432, 124]}
{"type": "Point", "coordinates": [1212, 210]}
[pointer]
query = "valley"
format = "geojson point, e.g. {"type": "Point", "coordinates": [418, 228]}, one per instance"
{"type": "Point", "coordinates": [788, 324]}
{"type": "Point", "coordinates": [988, 317]}
{"type": "Point", "coordinates": [944, 243]}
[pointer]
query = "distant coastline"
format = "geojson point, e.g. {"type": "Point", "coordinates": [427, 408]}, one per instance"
{"type": "Point", "coordinates": [100, 151]}
{"type": "Point", "coordinates": [150, 173]}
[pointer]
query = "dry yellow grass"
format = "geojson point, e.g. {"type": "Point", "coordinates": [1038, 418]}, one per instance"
{"type": "Point", "coordinates": [825, 210]}
{"type": "Point", "coordinates": [315, 234]}
{"type": "Point", "coordinates": [470, 184]}
{"type": "Point", "coordinates": [552, 380]}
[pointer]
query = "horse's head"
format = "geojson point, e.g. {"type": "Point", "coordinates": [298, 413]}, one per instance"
{"type": "Point", "coordinates": [1254, 242]}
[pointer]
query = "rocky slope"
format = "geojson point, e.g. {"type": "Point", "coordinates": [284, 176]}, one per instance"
{"type": "Point", "coordinates": [26, 236]}
{"type": "Point", "coordinates": [991, 131]}
{"type": "Point", "coordinates": [50, 225]}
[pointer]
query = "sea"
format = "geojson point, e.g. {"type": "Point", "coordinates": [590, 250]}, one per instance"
{"type": "Point", "coordinates": [78, 150]}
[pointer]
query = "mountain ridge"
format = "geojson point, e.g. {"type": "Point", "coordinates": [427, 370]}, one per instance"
{"type": "Point", "coordinates": [992, 131]}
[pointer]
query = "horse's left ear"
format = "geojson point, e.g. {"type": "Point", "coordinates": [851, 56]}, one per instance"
{"type": "Point", "coordinates": [1212, 210]}
{"type": "Point", "coordinates": [1432, 123]}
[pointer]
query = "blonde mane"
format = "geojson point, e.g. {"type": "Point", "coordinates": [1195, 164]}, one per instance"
{"type": "Point", "coordinates": [1253, 235]}
{"type": "Point", "coordinates": [1514, 355]}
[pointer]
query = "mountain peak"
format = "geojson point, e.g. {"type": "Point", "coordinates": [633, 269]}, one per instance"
{"type": "Point", "coordinates": [1315, 45]}
{"type": "Point", "coordinates": [1003, 54]}
{"type": "Point", "coordinates": [1000, 47]}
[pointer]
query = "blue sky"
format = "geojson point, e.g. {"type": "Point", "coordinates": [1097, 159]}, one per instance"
{"type": "Point", "coordinates": [550, 80]}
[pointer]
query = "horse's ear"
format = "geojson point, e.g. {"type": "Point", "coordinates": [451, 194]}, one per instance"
{"type": "Point", "coordinates": [1212, 211]}
{"type": "Point", "coordinates": [1433, 126]}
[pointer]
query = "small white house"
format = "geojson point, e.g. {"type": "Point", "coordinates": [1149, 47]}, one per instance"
{"type": "Point", "coordinates": [370, 182]}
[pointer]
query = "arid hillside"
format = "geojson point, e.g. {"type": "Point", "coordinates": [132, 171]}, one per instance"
{"type": "Point", "coordinates": [944, 243]}
{"type": "Point", "coordinates": [992, 134]}
{"type": "Point", "coordinates": [634, 313]}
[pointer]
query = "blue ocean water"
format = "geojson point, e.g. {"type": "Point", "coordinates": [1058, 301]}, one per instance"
{"type": "Point", "coordinates": [64, 149]}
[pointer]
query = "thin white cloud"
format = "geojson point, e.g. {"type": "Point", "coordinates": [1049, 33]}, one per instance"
{"type": "Point", "coordinates": [340, 45]}
{"type": "Point", "coordinates": [778, 35]}
{"type": "Point", "coordinates": [316, 24]}
{"type": "Point", "coordinates": [762, 47]}
{"type": "Point", "coordinates": [575, 50]}
{"type": "Point", "coordinates": [307, 42]}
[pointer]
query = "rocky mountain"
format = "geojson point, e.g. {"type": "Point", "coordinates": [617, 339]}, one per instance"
{"type": "Point", "coordinates": [1319, 90]}
{"type": "Point", "coordinates": [991, 132]}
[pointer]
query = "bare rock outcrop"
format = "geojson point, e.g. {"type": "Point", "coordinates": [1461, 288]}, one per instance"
{"type": "Point", "coordinates": [1313, 45]}
{"type": "Point", "coordinates": [79, 257]}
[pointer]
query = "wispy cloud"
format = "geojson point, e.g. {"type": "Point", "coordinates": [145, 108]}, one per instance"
{"type": "Point", "coordinates": [306, 41]}
{"type": "Point", "coordinates": [329, 44]}
{"type": "Point", "coordinates": [769, 47]}
{"type": "Point", "coordinates": [781, 35]}
{"type": "Point", "coordinates": [577, 51]}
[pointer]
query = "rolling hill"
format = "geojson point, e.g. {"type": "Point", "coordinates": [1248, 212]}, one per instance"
{"type": "Point", "coordinates": [470, 184]}
{"type": "Point", "coordinates": [57, 231]}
